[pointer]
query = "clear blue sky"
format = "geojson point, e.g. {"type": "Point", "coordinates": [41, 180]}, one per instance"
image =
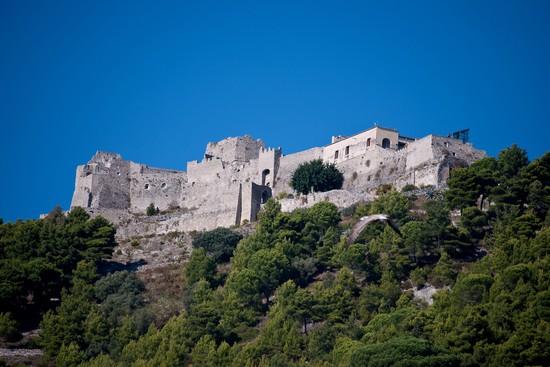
{"type": "Point", "coordinates": [156, 81]}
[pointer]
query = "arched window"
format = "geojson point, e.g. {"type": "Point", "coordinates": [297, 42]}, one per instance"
{"type": "Point", "coordinates": [265, 177]}
{"type": "Point", "coordinates": [385, 143]}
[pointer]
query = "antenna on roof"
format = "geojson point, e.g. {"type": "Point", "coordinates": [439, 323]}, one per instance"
{"type": "Point", "coordinates": [376, 123]}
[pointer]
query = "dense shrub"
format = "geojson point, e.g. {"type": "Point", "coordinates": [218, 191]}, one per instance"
{"type": "Point", "coordinates": [219, 243]}
{"type": "Point", "coordinates": [316, 176]}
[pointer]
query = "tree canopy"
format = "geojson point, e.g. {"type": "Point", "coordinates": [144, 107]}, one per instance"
{"type": "Point", "coordinates": [293, 294]}
{"type": "Point", "coordinates": [316, 176]}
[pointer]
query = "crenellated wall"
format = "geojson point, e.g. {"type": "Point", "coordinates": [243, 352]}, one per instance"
{"type": "Point", "coordinates": [237, 175]}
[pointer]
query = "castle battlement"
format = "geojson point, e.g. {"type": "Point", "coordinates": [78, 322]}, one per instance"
{"type": "Point", "coordinates": [238, 174]}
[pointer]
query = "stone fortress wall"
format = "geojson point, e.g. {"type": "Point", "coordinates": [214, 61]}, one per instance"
{"type": "Point", "coordinates": [238, 175]}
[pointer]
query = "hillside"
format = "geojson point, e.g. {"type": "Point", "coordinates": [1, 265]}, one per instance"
{"type": "Point", "coordinates": [289, 291]}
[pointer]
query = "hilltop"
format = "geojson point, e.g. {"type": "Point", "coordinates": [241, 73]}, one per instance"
{"type": "Point", "coordinates": [238, 175]}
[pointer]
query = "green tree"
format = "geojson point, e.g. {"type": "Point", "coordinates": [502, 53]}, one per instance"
{"type": "Point", "coordinates": [463, 189]}
{"type": "Point", "coordinates": [151, 210]}
{"type": "Point", "coordinates": [219, 243]}
{"type": "Point", "coordinates": [485, 175]}
{"type": "Point", "coordinates": [246, 284]}
{"type": "Point", "coordinates": [316, 176]}
{"type": "Point", "coordinates": [70, 355]}
{"type": "Point", "coordinates": [120, 294]}
{"type": "Point", "coordinates": [512, 160]}
{"type": "Point", "coordinates": [443, 273]}
{"type": "Point", "coordinates": [417, 240]}
{"type": "Point", "coordinates": [200, 265]}
{"type": "Point", "coordinates": [438, 219]}
{"type": "Point", "coordinates": [401, 351]}
{"type": "Point", "coordinates": [8, 327]}
{"type": "Point", "coordinates": [392, 203]}
{"type": "Point", "coordinates": [97, 333]}
{"type": "Point", "coordinates": [67, 324]}
{"type": "Point", "coordinates": [204, 352]}
{"type": "Point", "coordinates": [270, 267]}
{"type": "Point", "coordinates": [324, 215]}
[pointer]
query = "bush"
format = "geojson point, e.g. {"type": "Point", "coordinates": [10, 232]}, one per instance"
{"type": "Point", "coordinates": [384, 188]}
{"type": "Point", "coordinates": [316, 176]}
{"type": "Point", "coordinates": [408, 187]}
{"type": "Point", "coordinates": [151, 210]}
{"type": "Point", "coordinates": [219, 243]}
{"type": "Point", "coordinates": [8, 327]}
{"type": "Point", "coordinates": [282, 195]}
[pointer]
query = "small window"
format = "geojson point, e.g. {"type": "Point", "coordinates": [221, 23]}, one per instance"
{"type": "Point", "coordinates": [336, 155]}
{"type": "Point", "coordinates": [347, 151]}
{"type": "Point", "coordinates": [386, 143]}
{"type": "Point", "coordinates": [368, 142]}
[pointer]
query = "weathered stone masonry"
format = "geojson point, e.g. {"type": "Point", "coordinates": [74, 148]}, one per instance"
{"type": "Point", "coordinates": [237, 175]}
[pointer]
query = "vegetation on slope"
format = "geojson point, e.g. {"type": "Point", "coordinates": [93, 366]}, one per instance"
{"type": "Point", "coordinates": [293, 294]}
{"type": "Point", "coordinates": [37, 260]}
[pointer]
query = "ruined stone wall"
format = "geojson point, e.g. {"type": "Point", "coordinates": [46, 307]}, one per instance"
{"type": "Point", "coordinates": [149, 185]}
{"type": "Point", "coordinates": [82, 195]}
{"type": "Point", "coordinates": [205, 172]}
{"type": "Point", "coordinates": [237, 176]}
{"type": "Point", "coordinates": [419, 152]}
{"type": "Point", "coordinates": [103, 182]}
{"type": "Point", "coordinates": [376, 166]}
{"type": "Point", "coordinates": [241, 148]}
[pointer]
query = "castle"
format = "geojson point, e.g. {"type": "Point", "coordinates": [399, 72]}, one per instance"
{"type": "Point", "coordinates": [237, 175]}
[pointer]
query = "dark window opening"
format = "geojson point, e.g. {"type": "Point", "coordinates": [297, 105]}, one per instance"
{"type": "Point", "coordinates": [265, 196]}
{"type": "Point", "coordinates": [336, 155]}
{"type": "Point", "coordinates": [385, 143]}
{"type": "Point", "coordinates": [368, 142]}
{"type": "Point", "coordinates": [265, 177]}
{"type": "Point", "coordinates": [347, 151]}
